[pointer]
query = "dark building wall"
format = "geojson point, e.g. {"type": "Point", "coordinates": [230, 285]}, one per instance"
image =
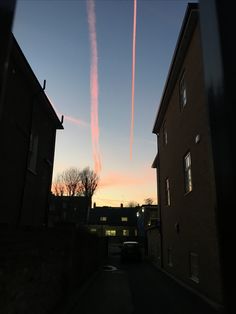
{"type": "Point", "coordinates": [38, 182]}
{"type": "Point", "coordinates": [194, 212]}
{"type": "Point", "coordinates": [14, 147]}
{"type": "Point", "coordinates": [27, 111]}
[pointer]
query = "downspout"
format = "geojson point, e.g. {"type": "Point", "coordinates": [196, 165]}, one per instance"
{"type": "Point", "coordinates": [159, 197]}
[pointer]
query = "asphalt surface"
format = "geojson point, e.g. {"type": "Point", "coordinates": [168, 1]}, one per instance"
{"type": "Point", "coordinates": [135, 288]}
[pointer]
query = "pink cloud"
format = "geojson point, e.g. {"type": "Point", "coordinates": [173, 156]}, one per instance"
{"type": "Point", "coordinates": [94, 88]}
{"type": "Point", "coordinates": [119, 179]}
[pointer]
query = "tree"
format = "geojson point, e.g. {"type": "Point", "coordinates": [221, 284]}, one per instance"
{"type": "Point", "coordinates": [132, 204]}
{"type": "Point", "coordinates": [58, 187]}
{"type": "Point", "coordinates": [148, 201]}
{"type": "Point", "coordinates": [71, 181]}
{"type": "Point", "coordinates": [88, 182]}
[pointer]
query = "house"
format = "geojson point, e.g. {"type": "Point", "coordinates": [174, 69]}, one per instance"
{"type": "Point", "coordinates": [119, 222]}
{"type": "Point", "coordinates": [69, 209]}
{"type": "Point", "coordinates": [148, 222]}
{"type": "Point", "coordinates": [184, 162]}
{"type": "Point", "coordinates": [28, 131]}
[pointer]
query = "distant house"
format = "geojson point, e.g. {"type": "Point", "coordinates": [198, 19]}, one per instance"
{"type": "Point", "coordinates": [28, 131]}
{"type": "Point", "coordinates": [120, 222]}
{"type": "Point", "coordinates": [149, 231]}
{"type": "Point", "coordinates": [69, 209]}
{"type": "Point", "coordinates": [186, 189]}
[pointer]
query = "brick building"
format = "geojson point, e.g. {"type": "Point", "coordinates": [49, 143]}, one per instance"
{"type": "Point", "coordinates": [186, 190]}
{"type": "Point", "coordinates": [28, 130]}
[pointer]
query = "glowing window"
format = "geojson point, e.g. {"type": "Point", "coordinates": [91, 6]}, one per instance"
{"type": "Point", "coordinates": [110, 233]}
{"type": "Point", "coordinates": [93, 230]}
{"type": "Point", "coordinates": [103, 218]}
{"type": "Point", "coordinates": [124, 218]}
{"type": "Point", "coordinates": [125, 233]}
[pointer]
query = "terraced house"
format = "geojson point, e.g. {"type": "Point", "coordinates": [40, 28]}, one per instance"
{"type": "Point", "coordinates": [185, 174]}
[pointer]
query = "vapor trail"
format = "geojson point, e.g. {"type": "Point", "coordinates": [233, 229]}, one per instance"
{"type": "Point", "coordinates": [133, 79]}
{"type": "Point", "coordinates": [94, 90]}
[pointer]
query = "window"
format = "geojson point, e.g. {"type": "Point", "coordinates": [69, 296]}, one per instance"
{"type": "Point", "coordinates": [167, 192]}
{"type": "Point", "coordinates": [103, 218]}
{"type": "Point", "coordinates": [165, 135]}
{"type": "Point", "coordinates": [33, 152]}
{"type": "Point", "coordinates": [124, 218]}
{"type": "Point", "coordinates": [126, 233]}
{"type": "Point", "coordinates": [93, 230]}
{"type": "Point", "coordinates": [183, 92]}
{"type": "Point", "coordinates": [136, 232]}
{"type": "Point", "coordinates": [187, 173]}
{"type": "Point", "coordinates": [169, 257]}
{"type": "Point", "coordinates": [110, 233]}
{"type": "Point", "coordinates": [194, 266]}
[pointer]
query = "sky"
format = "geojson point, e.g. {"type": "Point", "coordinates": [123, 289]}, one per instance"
{"type": "Point", "coordinates": [76, 49]}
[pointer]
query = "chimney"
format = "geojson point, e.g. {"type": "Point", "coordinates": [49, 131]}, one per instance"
{"type": "Point", "coordinates": [121, 205]}
{"type": "Point", "coordinates": [94, 205]}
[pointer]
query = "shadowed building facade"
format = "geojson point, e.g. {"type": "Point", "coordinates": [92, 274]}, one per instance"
{"type": "Point", "coordinates": [186, 190]}
{"type": "Point", "coordinates": [28, 131]}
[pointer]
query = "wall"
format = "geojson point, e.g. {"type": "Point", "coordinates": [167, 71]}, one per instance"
{"type": "Point", "coordinates": [39, 269]}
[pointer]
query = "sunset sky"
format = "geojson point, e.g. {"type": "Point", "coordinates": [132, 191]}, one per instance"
{"type": "Point", "coordinates": [66, 45]}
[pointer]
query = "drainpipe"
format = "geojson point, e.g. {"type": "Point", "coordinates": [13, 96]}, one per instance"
{"type": "Point", "coordinates": [159, 198]}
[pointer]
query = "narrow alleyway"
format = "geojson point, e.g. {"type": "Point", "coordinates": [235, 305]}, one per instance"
{"type": "Point", "coordinates": [135, 288]}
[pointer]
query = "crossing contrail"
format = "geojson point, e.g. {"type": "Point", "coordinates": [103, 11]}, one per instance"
{"type": "Point", "coordinates": [94, 88]}
{"type": "Point", "coordinates": [133, 79]}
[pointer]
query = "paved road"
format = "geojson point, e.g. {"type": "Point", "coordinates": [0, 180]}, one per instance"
{"type": "Point", "coordinates": [135, 288]}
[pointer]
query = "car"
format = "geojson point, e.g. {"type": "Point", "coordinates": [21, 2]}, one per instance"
{"type": "Point", "coordinates": [131, 251]}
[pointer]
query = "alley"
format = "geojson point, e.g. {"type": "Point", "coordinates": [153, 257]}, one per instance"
{"type": "Point", "coordinates": [135, 288]}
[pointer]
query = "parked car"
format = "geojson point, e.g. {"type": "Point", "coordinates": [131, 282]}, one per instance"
{"type": "Point", "coordinates": [131, 251]}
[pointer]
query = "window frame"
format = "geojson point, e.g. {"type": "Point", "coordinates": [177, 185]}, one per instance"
{"type": "Point", "coordinates": [167, 192]}
{"type": "Point", "coordinates": [188, 178]}
{"type": "Point", "coordinates": [183, 100]}
{"type": "Point", "coordinates": [165, 134]}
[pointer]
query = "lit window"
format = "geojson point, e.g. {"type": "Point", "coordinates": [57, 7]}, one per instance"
{"type": "Point", "coordinates": [103, 218]}
{"type": "Point", "coordinates": [169, 257]}
{"type": "Point", "coordinates": [194, 266]}
{"type": "Point", "coordinates": [187, 173]}
{"type": "Point", "coordinates": [183, 92]}
{"type": "Point", "coordinates": [93, 230]}
{"type": "Point", "coordinates": [124, 218]}
{"type": "Point", "coordinates": [126, 233]}
{"type": "Point", "coordinates": [135, 232]}
{"type": "Point", "coordinates": [167, 192]}
{"type": "Point", "coordinates": [110, 233]}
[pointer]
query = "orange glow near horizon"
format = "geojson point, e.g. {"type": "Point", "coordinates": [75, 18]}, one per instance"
{"type": "Point", "coordinates": [133, 80]}
{"type": "Point", "coordinates": [94, 88]}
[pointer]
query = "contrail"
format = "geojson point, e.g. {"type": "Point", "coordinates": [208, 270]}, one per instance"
{"type": "Point", "coordinates": [94, 90]}
{"type": "Point", "coordinates": [133, 78]}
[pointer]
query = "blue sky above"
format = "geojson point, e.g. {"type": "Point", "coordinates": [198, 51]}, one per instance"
{"type": "Point", "coordinates": [54, 37]}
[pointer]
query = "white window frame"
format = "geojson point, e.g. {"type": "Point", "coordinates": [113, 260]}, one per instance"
{"type": "Point", "coordinates": [167, 192]}
{"type": "Point", "coordinates": [183, 91]}
{"type": "Point", "coordinates": [188, 182]}
{"type": "Point", "coordinates": [124, 219]}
